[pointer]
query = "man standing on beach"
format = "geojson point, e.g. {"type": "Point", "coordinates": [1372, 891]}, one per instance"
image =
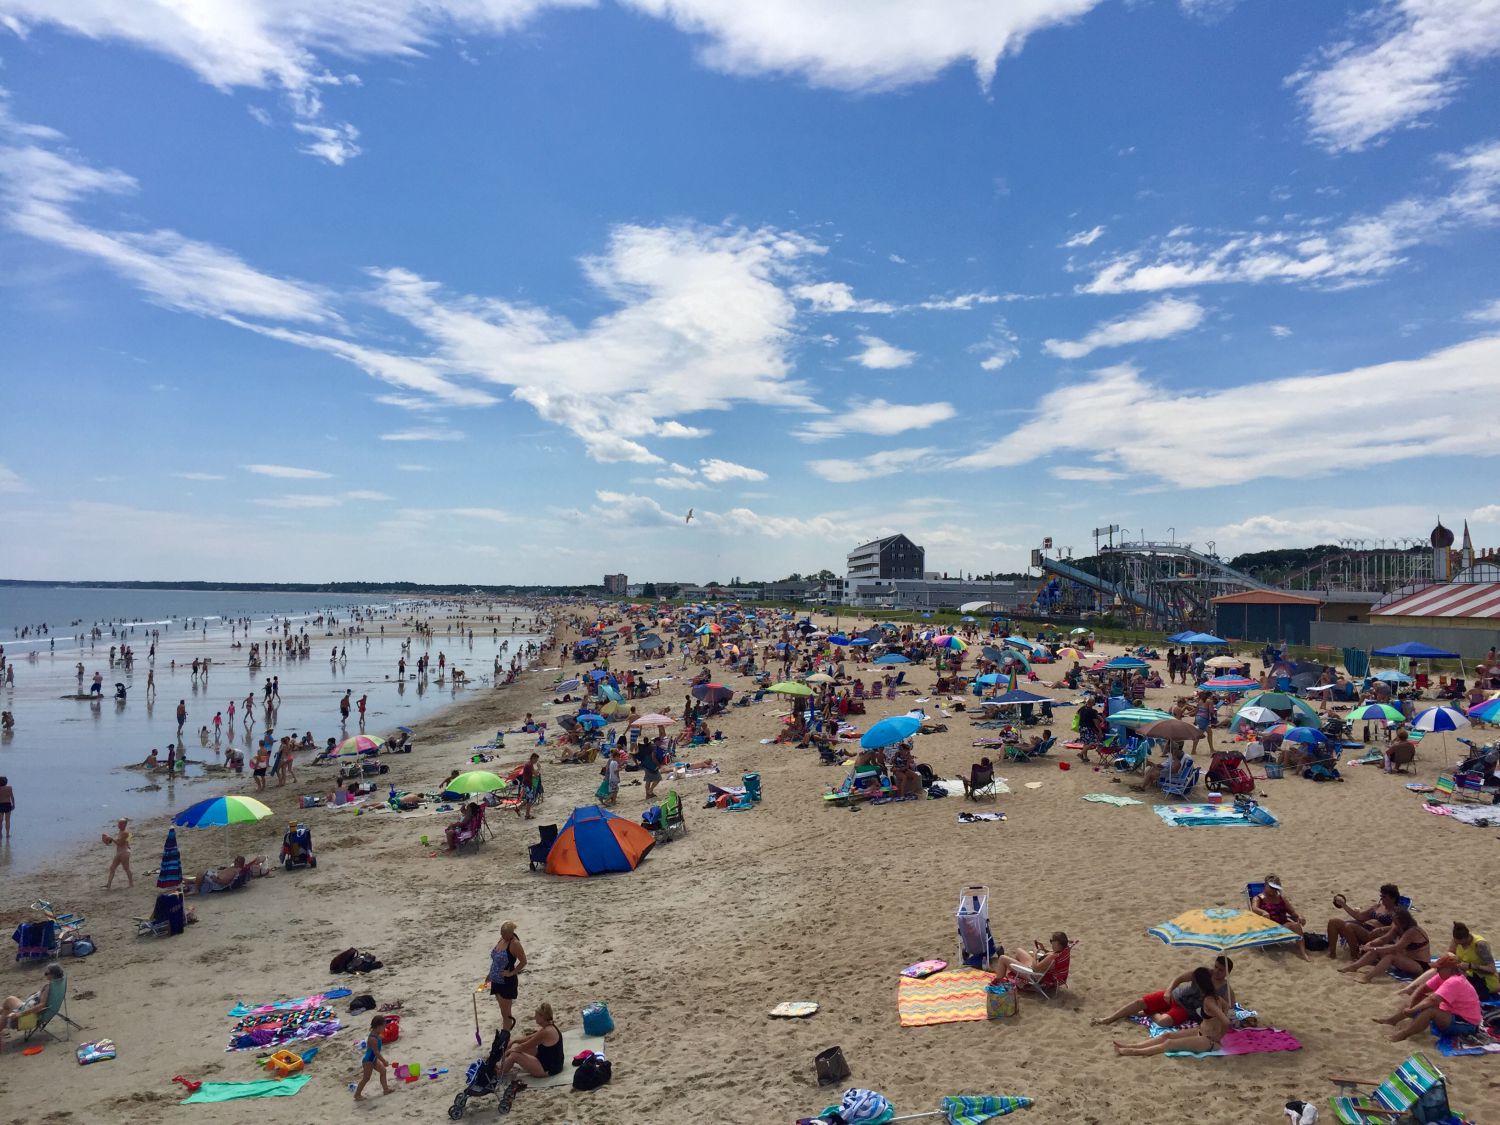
{"type": "Point", "coordinates": [181, 717]}
{"type": "Point", "coordinates": [344, 707]}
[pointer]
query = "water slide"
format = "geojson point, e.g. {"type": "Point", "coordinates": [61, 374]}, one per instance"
{"type": "Point", "coordinates": [1114, 590]}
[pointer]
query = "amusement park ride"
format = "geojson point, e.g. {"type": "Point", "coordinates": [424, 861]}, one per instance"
{"type": "Point", "coordinates": [1167, 584]}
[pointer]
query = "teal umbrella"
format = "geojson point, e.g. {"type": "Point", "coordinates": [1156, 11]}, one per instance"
{"type": "Point", "coordinates": [1137, 716]}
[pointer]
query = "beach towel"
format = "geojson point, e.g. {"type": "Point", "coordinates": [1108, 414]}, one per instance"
{"type": "Point", "coordinates": [955, 785]}
{"type": "Point", "coordinates": [574, 1042]}
{"type": "Point", "coordinates": [1450, 1045]}
{"type": "Point", "coordinates": [920, 970]}
{"type": "Point", "coordinates": [1247, 1041]}
{"type": "Point", "coordinates": [954, 996]}
{"type": "Point", "coordinates": [234, 1091]}
{"type": "Point", "coordinates": [1216, 816]}
{"type": "Point", "coordinates": [1111, 799]}
{"type": "Point", "coordinates": [1476, 816]}
{"type": "Point", "coordinates": [975, 817]}
{"type": "Point", "coordinates": [100, 1051]}
{"type": "Point", "coordinates": [240, 1009]}
{"type": "Point", "coordinates": [793, 1010]}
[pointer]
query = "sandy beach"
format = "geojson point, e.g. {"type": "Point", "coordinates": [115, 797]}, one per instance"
{"type": "Point", "coordinates": [793, 900]}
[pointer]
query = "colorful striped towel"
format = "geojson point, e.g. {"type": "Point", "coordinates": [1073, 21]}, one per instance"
{"type": "Point", "coordinates": [956, 996]}
{"type": "Point", "coordinates": [977, 1111]}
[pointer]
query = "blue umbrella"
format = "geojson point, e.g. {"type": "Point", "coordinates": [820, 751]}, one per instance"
{"type": "Point", "coordinates": [990, 678]}
{"type": "Point", "coordinates": [598, 674]}
{"type": "Point", "coordinates": [1308, 735]}
{"type": "Point", "coordinates": [1391, 676]}
{"type": "Point", "coordinates": [838, 639]}
{"type": "Point", "coordinates": [1417, 651]}
{"type": "Point", "coordinates": [590, 721]}
{"type": "Point", "coordinates": [890, 731]}
{"type": "Point", "coordinates": [860, 642]}
{"type": "Point", "coordinates": [968, 617]}
{"type": "Point", "coordinates": [1126, 662]}
{"type": "Point", "coordinates": [891, 658]}
{"type": "Point", "coordinates": [1021, 696]}
{"type": "Point", "coordinates": [1204, 639]}
{"type": "Point", "coordinates": [1440, 719]}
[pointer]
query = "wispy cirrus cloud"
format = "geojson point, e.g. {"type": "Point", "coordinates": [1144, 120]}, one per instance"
{"type": "Point", "coordinates": [427, 433]}
{"type": "Point", "coordinates": [199, 476]}
{"type": "Point", "coordinates": [888, 462]}
{"type": "Point", "coordinates": [1085, 237]}
{"type": "Point", "coordinates": [839, 297]}
{"type": "Point", "coordinates": [1170, 316]}
{"type": "Point", "coordinates": [305, 500]}
{"type": "Point", "coordinates": [10, 480]}
{"type": "Point", "coordinates": [1117, 420]}
{"type": "Point", "coordinates": [287, 472]}
{"type": "Point", "coordinates": [877, 416]}
{"type": "Point", "coordinates": [1404, 62]}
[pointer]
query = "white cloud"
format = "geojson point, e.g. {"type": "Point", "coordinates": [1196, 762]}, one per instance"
{"type": "Point", "coordinates": [1490, 311]}
{"type": "Point", "coordinates": [1280, 331]}
{"type": "Point", "coordinates": [1303, 526]}
{"type": "Point", "coordinates": [365, 494]}
{"type": "Point", "coordinates": [333, 143]}
{"type": "Point", "coordinates": [859, 44]}
{"type": "Point", "coordinates": [411, 468]}
{"type": "Point", "coordinates": [837, 297]}
{"type": "Point", "coordinates": [1490, 513]}
{"type": "Point", "coordinates": [886, 463]}
{"type": "Point", "coordinates": [1085, 473]}
{"type": "Point", "coordinates": [1302, 425]}
{"type": "Point", "coordinates": [430, 433]}
{"type": "Point", "coordinates": [199, 476]}
{"type": "Point", "coordinates": [1405, 63]}
{"type": "Point", "coordinates": [1169, 316]}
{"type": "Point", "coordinates": [10, 480]}
{"type": "Point", "coordinates": [999, 348]}
{"type": "Point", "coordinates": [287, 472]}
{"type": "Point", "coordinates": [719, 471]}
{"type": "Point", "coordinates": [877, 417]}
{"type": "Point", "coordinates": [882, 356]}
{"type": "Point", "coordinates": [1086, 237]}
{"type": "Point", "coordinates": [298, 500]}
{"type": "Point", "coordinates": [1351, 252]}
{"type": "Point", "coordinates": [962, 302]}
{"type": "Point", "coordinates": [681, 484]}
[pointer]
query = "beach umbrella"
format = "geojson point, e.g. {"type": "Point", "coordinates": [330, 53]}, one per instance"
{"type": "Point", "coordinates": [588, 720]}
{"type": "Point", "coordinates": [1282, 703]}
{"type": "Point", "coordinates": [710, 629]}
{"type": "Point", "coordinates": [1222, 929]}
{"type": "Point", "coordinates": [610, 693]}
{"type": "Point", "coordinates": [1440, 719]}
{"type": "Point", "coordinates": [650, 642]}
{"type": "Point", "coordinates": [861, 642]}
{"type": "Point", "coordinates": [1015, 697]}
{"type": "Point", "coordinates": [1172, 730]}
{"type": "Point", "coordinates": [990, 652]}
{"type": "Point", "coordinates": [1069, 653]}
{"type": "Point", "coordinates": [820, 678]}
{"type": "Point", "coordinates": [1307, 735]}
{"type": "Point", "coordinates": [964, 1109]}
{"type": "Point", "coordinates": [1228, 683]}
{"type": "Point", "coordinates": [1486, 712]}
{"type": "Point", "coordinates": [786, 687]}
{"type": "Point", "coordinates": [1079, 632]}
{"type": "Point", "coordinates": [1123, 663]}
{"type": "Point", "coordinates": [712, 693]}
{"type": "Point", "coordinates": [594, 841]}
{"type": "Point", "coordinates": [1376, 712]}
{"type": "Point", "coordinates": [570, 684]}
{"type": "Point", "coordinates": [215, 811]}
{"type": "Point", "coordinates": [654, 720]}
{"type": "Point", "coordinates": [1137, 716]}
{"type": "Point", "coordinates": [1223, 662]}
{"type": "Point", "coordinates": [1391, 676]}
{"type": "Point", "coordinates": [988, 679]}
{"type": "Point", "coordinates": [169, 875]}
{"type": "Point", "coordinates": [950, 642]}
{"type": "Point", "coordinates": [838, 639]}
{"type": "Point", "coordinates": [1254, 714]}
{"type": "Point", "coordinates": [890, 731]}
{"type": "Point", "coordinates": [475, 781]}
{"type": "Point", "coordinates": [891, 658]}
{"type": "Point", "coordinates": [567, 722]}
{"type": "Point", "coordinates": [360, 744]}
{"type": "Point", "coordinates": [1204, 639]}
{"type": "Point", "coordinates": [968, 619]}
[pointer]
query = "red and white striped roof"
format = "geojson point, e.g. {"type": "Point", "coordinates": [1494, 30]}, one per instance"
{"type": "Point", "coordinates": [1447, 599]}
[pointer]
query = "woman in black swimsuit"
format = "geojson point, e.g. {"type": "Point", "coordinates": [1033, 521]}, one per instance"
{"type": "Point", "coordinates": [541, 1053]}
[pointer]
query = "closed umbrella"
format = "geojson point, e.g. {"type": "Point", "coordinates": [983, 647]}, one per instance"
{"type": "Point", "coordinates": [169, 876]}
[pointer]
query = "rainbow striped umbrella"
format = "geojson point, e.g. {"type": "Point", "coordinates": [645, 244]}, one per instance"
{"type": "Point", "coordinates": [360, 744]}
{"type": "Point", "coordinates": [950, 642]}
{"type": "Point", "coordinates": [215, 811]}
{"type": "Point", "coordinates": [1486, 712]}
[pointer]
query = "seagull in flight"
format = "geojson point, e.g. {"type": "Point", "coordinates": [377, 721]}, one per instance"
{"type": "Point", "coordinates": [689, 516]}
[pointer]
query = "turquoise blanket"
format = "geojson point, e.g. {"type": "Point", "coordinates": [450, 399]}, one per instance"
{"type": "Point", "coordinates": [233, 1091]}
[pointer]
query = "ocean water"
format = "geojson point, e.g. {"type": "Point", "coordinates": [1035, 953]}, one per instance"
{"type": "Point", "coordinates": [68, 758]}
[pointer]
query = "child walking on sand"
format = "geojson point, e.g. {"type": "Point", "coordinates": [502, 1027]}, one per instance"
{"type": "Point", "coordinates": [373, 1060]}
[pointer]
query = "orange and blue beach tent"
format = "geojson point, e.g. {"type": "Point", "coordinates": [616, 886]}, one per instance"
{"type": "Point", "coordinates": [594, 841]}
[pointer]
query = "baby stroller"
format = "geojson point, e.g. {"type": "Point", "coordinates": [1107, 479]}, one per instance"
{"type": "Point", "coordinates": [976, 945]}
{"type": "Point", "coordinates": [297, 848]}
{"type": "Point", "coordinates": [481, 1077]}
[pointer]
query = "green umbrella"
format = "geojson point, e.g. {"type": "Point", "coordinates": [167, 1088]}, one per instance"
{"type": "Point", "coordinates": [786, 687]}
{"type": "Point", "coordinates": [1377, 712]}
{"type": "Point", "coordinates": [475, 781]}
{"type": "Point", "coordinates": [1280, 701]}
{"type": "Point", "coordinates": [1137, 716]}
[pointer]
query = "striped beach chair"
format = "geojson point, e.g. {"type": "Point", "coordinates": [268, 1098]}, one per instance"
{"type": "Point", "coordinates": [1415, 1087]}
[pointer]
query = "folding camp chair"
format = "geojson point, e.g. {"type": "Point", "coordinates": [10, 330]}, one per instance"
{"type": "Point", "coordinates": [982, 784]}
{"type": "Point", "coordinates": [1464, 787]}
{"type": "Point", "coordinates": [1416, 1091]}
{"type": "Point", "coordinates": [976, 944]}
{"type": "Point", "coordinates": [538, 852]}
{"type": "Point", "coordinates": [57, 1009]}
{"type": "Point", "coordinates": [1046, 985]}
{"type": "Point", "coordinates": [167, 918]}
{"type": "Point", "coordinates": [1182, 782]}
{"type": "Point", "coordinates": [673, 823]}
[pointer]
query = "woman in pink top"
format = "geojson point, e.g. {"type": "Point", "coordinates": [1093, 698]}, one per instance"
{"type": "Point", "coordinates": [1451, 1005]}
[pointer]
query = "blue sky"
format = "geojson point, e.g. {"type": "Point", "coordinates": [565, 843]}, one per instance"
{"type": "Point", "coordinates": [497, 290]}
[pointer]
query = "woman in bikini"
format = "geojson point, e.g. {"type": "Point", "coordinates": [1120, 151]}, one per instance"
{"type": "Point", "coordinates": [1403, 946]}
{"type": "Point", "coordinates": [1359, 926]}
{"type": "Point", "coordinates": [121, 841]}
{"type": "Point", "coordinates": [1272, 904]}
{"type": "Point", "coordinates": [1204, 1037]}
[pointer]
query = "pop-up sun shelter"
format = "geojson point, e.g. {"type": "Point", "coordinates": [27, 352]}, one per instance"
{"type": "Point", "coordinates": [594, 841]}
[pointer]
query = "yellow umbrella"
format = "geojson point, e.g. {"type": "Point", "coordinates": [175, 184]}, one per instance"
{"type": "Point", "coordinates": [1221, 928]}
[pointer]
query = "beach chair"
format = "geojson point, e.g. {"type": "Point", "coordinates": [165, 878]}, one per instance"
{"type": "Point", "coordinates": [1046, 985]}
{"type": "Point", "coordinates": [1182, 782]}
{"type": "Point", "coordinates": [1132, 758]}
{"type": "Point", "coordinates": [297, 848]}
{"type": "Point", "coordinates": [1416, 1091]}
{"type": "Point", "coordinates": [547, 834]}
{"type": "Point", "coordinates": [982, 784]}
{"type": "Point", "coordinates": [167, 918]}
{"type": "Point", "coordinates": [673, 824]}
{"type": "Point", "coordinates": [975, 943]}
{"type": "Point", "coordinates": [36, 941]}
{"type": "Point", "coordinates": [474, 833]}
{"type": "Point", "coordinates": [57, 1009]}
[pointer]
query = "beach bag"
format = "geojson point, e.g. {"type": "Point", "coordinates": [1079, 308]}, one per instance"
{"type": "Point", "coordinates": [366, 963]}
{"type": "Point", "coordinates": [592, 1072]}
{"type": "Point", "coordinates": [830, 1066]}
{"type": "Point", "coordinates": [341, 962]}
{"type": "Point", "coordinates": [392, 1029]}
{"type": "Point", "coordinates": [1316, 943]}
{"type": "Point", "coordinates": [936, 790]}
{"type": "Point", "coordinates": [597, 1020]}
{"type": "Point", "coordinates": [999, 1001]}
